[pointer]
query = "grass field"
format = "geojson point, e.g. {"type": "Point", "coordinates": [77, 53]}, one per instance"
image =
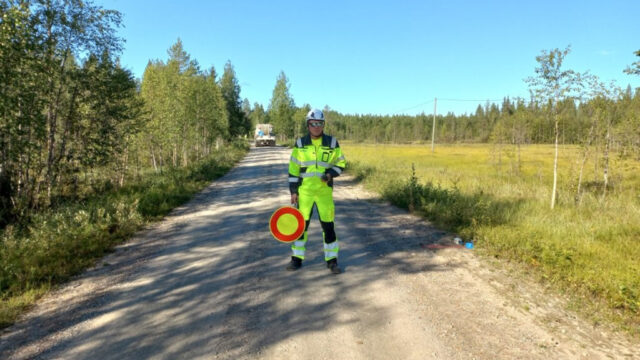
{"type": "Point", "coordinates": [589, 250]}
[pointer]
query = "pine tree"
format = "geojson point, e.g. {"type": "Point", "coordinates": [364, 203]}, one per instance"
{"type": "Point", "coordinates": [246, 108]}
{"type": "Point", "coordinates": [281, 109]}
{"type": "Point", "coordinates": [238, 123]}
{"type": "Point", "coordinates": [217, 120]}
{"type": "Point", "coordinates": [634, 69]}
{"type": "Point", "coordinates": [300, 124]}
{"type": "Point", "coordinates": [258, 115]}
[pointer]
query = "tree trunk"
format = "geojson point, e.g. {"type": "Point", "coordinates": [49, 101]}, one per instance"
{"type": "Point", "coordinates": [52, 119]}
{"type": "Point", "coordinates": [607, 143]}
{"type": "Point", "coordinates": [153, 160]}
{"type": "Point", "coordinates": [555, 166]}
{"type": "Point", "coordinates": [123, 168]}
{"type": "Point", "coordinates": [62, 149]}
{"type": "Point", "coordinates": [519, 159]}
{"type": "Point", "coordinates": [50, 148]}
{"type": "Point", "coordinates": [161, 158]}
{"type": "Point", "coordinates": [6, 206]}
{"type": "Point", "coordinates": [185, 157]}
{"type": "Point", "coordinates": [595, 159]}
{"type": "Point", "coordinates": [578, 197]}
{"type": "Point", "coordinates": [174, 156]}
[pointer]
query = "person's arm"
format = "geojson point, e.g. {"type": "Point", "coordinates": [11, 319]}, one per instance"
{"type": "Point", "coordinates": [294, 175]}
{"type": "Point", "coordinates": [339, 163]}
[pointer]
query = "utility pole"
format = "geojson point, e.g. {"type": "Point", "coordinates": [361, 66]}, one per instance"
{"type": "Point", "coordinates": [433, 128]}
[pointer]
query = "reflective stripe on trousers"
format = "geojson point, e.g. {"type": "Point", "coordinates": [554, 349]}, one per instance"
{"type": "Point", "coordinates": [299, 247]}
{"type": "Point", "coordinates": [331, 250]}
{"type": "Point", "coordinates": [325, 207]}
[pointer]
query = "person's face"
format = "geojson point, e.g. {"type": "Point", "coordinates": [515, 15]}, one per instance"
{"type": "Point", "coordinates": [315, 127]}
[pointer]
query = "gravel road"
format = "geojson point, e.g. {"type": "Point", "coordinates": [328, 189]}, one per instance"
{"type": "Point", "coordinates": [209, 282]}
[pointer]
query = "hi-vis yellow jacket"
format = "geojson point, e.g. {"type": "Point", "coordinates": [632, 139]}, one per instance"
{"type": "Point", "coordinates": [309, 163]}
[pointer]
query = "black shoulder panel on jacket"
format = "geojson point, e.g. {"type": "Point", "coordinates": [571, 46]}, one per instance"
{"type": "Point", "coordinates": [306, 140]}
{"type": "Point", "coordinates": [330, 141]}
{"type": "Point", "coordinates": [326, 140]}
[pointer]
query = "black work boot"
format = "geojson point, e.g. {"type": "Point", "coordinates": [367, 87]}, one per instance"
{"type": "Point", "coordinates": [333, 266]}
{"type": "Point", "coordinates": [295, 264]}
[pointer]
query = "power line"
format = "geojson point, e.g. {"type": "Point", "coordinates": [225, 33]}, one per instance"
{"type": "Point", "coordinates": [415, 106]}
{"type": "Point", "coordinates": [452, 100]}
{"type": "Point", "coordinates": [489, 100]}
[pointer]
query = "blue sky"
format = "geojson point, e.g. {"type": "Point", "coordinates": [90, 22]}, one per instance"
{"type": "Point", "coordinates": [384, 57]}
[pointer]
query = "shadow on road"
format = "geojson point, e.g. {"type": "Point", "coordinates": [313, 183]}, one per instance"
{"type": "Point", "coordinates": [213, 281]}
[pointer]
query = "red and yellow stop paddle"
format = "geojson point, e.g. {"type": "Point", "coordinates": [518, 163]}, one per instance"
{"type": "Point", "coordinates": [287, 224]}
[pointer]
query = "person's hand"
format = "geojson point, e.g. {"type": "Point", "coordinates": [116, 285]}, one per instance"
{"type": "Point", "coordinates": [294, 198]}
{"type": "Point", "coordinates": [326, 177]}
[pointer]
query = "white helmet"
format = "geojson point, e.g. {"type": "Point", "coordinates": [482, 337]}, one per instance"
{"type": "Point", "coordinates": [315, 114]}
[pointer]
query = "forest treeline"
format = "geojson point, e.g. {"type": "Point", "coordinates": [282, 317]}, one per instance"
{"type": "Point", "coordinates": [565, 107]}
{"type": "Point", "coordinates": [587, 110]}
{"type": "Point", "coordinates": [513, 121]}
{"type": "Point", "coordinates": [74, 121]}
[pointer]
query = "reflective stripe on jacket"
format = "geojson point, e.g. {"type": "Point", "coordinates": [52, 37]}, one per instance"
{"type": "Point", "coordinates": [308, 164]}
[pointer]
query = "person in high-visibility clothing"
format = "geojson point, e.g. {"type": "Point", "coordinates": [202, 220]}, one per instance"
{"type": "Point", "coordinates": [315, 161]}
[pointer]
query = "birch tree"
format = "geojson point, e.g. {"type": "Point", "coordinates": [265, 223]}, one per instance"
{"type": "Point", "coordinates": [554, 84]}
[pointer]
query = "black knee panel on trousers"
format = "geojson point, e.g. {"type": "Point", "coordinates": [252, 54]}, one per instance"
{"type": "Point", "coordinates": [329, 233]}
{"type": "Point", "coordinates": [306, 227]}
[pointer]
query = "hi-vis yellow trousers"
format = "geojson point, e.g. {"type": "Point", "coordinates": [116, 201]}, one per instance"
{"type": "Point", "coordinates": [323, 199]}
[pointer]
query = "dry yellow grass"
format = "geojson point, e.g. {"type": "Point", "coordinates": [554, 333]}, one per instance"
{"type": "Point", "coordinates": [591, 249]}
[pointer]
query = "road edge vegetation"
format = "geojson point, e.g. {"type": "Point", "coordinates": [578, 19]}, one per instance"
{"type": "Point", "coordinates": [488, 222]}
{"type": "Point", "coordinates": [61, 242]}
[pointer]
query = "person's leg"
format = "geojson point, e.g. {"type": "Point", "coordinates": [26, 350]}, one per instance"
{"type": "Point", "coordinates": [326, 211]}
{"type": "Point", "coordinates": [298, 248]}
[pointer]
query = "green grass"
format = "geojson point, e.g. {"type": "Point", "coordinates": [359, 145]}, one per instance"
{"type": "Point", "coordinates": [61, 242]}
{"type": "Point", "coordinates": [590, 250]}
